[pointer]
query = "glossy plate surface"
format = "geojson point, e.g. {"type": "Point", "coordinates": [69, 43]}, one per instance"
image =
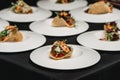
{"type": "Point", "coordinates": [80, 14]}
{"type": "Point", "coordinates": [51, 5]}
{"type": "Point", "coordinates": [82, 57]}
{"type": "Point", "coordinates": [91, 39]}
{"type": "Point", "coordinates": [30, 41]}
{"type": "Point", "coordinates": [3, 24]}
{"type": "Point", "coordinates": [45, 27]}
{"type": "Point", "coordinates": [38, 14]}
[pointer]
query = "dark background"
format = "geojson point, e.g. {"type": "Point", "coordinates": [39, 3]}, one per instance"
{"type": "Point", "coordinates": [11, 71]}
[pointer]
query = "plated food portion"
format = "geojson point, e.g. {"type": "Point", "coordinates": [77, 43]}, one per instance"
{"type": "Point", "coordinates": [58, 5]}
{"type": "Point", "coordinates": [11, 34]}
{"type": "Point", "coordinates": [80, 56]}
{"type": "Point", "coordinates": [21, 7]}
{"type": "Point", "coordinates": [106, 40]}
{"type": "Point", "coordinates": [63, 18]}
{"type": "Point", "coordinates": [111, 32]}
{"type": "Point", "coordinates": [98, 12]}
{"type": "Point", "coordinates": [60, 50]}
{"type": "Point", "coordinates": [14, 40]}
{"type": "Point", "coordinates": [64, 1]}
{"type": "Point", "coordinates": [22, 12]}
{"type": "Point", "coordinates": [59, 27]}
{"type": "Point", "coordinates": [100, 7]}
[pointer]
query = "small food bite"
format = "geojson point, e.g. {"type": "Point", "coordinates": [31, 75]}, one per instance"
{"type": "Point", "coordinates": [63, 19]}
{"type": "Point", "coordinates": [111, 32]}
{"type": "Point", "coordinates": [60, 50]}
{"type": "Point", "coordinates": [11, 34]}
{"type": "Point", "coordinates": [64, 1]}
{"type": "Point", "coordinates": [21, 7]}
{"type": "Point", "coordinates": [100, 7]}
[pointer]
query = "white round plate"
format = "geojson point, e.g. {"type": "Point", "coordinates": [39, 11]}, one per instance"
{"type": "Point", "coordinates": [38, 14]}
{"type": "Point", "coordinates": [82, 57]}
{"type": "Point", "coordinates": [46, 28]}
{"type": "Point", "coordinates": [3, 24]}
{"type": "Point", "coordinates": [91, 39]}
{"type": "Point", "coordinates": [80, 14]}
{"type": "Point", "coordinates": [46, 4]}
{"type": "Point", "coordinates": [30, 41]}
{"type": "Point", "coordinates": [118, 23]}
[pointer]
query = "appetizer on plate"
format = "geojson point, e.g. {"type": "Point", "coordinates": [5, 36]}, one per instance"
{"type": "Point", "coordinates": [60, 50]}
{"type": "Point", "coordinates": [64, 1]}
{"type": "Point", "coordinates": [63, 18]}
{"type": "Point", "coordinates": [21, 7]}
{"type": "Point", "coordinates": [111, 32]}
{"type": "Point", "coordinates": [10, 34]}
{"type": "Point", "coordinates": [100, 7]}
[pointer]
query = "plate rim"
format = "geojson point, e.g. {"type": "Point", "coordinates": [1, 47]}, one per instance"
{"type": "Point", "coordinates": [24, 21]}
{"type": "Point", "coordinates": [25, 31]}
{"type": "Point", "coordinates": [94, 47]}
{"type": "Point", "coordinates": [52, 35]}
{"type": "Point", "coordinates": [99, 58]}
{"type": "Point", "coordinates": [60, 5]}
{"type": "Point", "coordinates": [4, 21]}
{"type": "Point", "coordinates": [93, 16]}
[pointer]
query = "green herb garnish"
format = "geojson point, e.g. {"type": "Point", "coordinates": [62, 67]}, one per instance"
{"type": "Point", "coordinates": [3, 33]}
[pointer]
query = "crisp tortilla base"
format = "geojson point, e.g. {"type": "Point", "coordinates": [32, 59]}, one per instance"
{"type": "Point", "coordinates": [99, 8]}
{"type": "Point", "coordinates": [66, 56]}
{"type": "Point", "coordinates": [14, 37]}
{"type": "Point", "coordinates": [60, 22]}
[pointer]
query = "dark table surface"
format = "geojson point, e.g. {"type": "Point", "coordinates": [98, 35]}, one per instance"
{"type": "Point", "coordinates": [19, 65]}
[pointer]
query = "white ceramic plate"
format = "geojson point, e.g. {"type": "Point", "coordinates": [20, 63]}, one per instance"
{"type": "Point", "coordinates": [3, 24]}
{"type": "Point", "coordinates": [80, 14]}
{"type": "Point", "coordinates": [38, 14]}
{"type": "Point", "coordinates": [118, 23]}
{"type": "Point", "coordinates": [30, 41]}
{"type": "Point", "coordinates": [46, 4]}
{"type": "Point", "coordinates": [45, 28]}
{"type": "Point", "coordinates": [91, 39]}
{"type": "Point", "coordinates": [82, 57]}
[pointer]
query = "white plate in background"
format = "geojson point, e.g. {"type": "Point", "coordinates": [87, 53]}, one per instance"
{"type": "Point", "coordinates": [38, 14]}
{"type": "Point", "coordinates": [3, 24]}
{"type": "Point", "coordinates": [45, 27]}
{"type": "Point", "coordinates": [49, 5]}
{"type": "Point", "coordinates": [30, 41]}
{"type": "Point", "coordinates": [91, 39]}
{"type": "Point", "coordinates": [80, 14]}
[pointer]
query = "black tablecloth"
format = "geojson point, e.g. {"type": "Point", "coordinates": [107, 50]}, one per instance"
{"type": "Point", "coordinates": [18, 66]}
{"type": "Point", "coordinates": [21, 60]}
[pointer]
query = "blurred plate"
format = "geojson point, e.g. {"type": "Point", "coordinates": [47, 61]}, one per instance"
{"type": "Point", "coordinates": [91, 39]}
{"type": "Point", "coordinates": [3, 24]}
{"type": "Point", "coordinates": [82, 57]}
{"type": "Point", "coordinates": [38, 14]}
{"type": "Point", "coordinates": [46, 28]}
{"type": "Point", "coordinates": [30, 41]}
{"type": "Point", "coordinates": [46, 4]}
{"type": "Point", "coordinates": [80, 14]}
